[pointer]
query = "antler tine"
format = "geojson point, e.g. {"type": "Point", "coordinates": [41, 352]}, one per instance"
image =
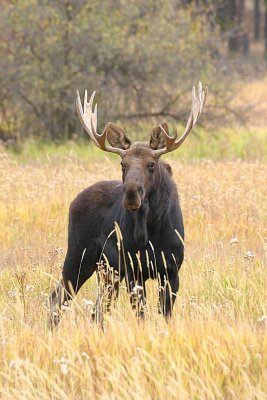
{"type": "Point", "coordinates": [85, 115]}
{"type": "Point", "coordinates": [169, 140]}
{"type": "Point", "coordinates": [198, 101]}
{"type": "Point", "coordinates": [88, 119]}
{"type": "Point", "coordinates": [89, 113]}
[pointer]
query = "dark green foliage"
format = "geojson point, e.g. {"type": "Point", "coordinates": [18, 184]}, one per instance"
{"type": "Point", "coordinates": [140, 56]}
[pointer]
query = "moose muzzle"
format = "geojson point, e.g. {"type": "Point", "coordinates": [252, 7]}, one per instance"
{"type": "Point", "coordinates": [133, 196]}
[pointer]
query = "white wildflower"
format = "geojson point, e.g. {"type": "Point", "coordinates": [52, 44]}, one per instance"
{"type": "Point", "coordinates": [85, 355]}
{"type": "Point", "coordinates": [234, 240]}
{"type": "Point", "coordinates": [64, 368]}
{"type": "Point", "coordinates": [249, 254]}
{"type": "Point", "coordinates": [137, 289]}
{"type": "Point", "coordinates": [87, 303]}
{"type": "Point", "coordinates": [29, 288]}
{"type": "Point", "coordinates": [14, 364]}
{"type": "Point", "coordinates": [163, 333]}
{"type": "Point", "coordinates": [263, 318]}
{"type": "Point", "coordinates": [11, 293]}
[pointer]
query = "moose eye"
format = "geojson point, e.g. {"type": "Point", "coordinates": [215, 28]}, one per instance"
{"type": "Point", "coordinates": [151, 166]}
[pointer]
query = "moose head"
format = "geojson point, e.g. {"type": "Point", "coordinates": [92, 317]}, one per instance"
{"type": "Point", "coordinates": [139, 159]}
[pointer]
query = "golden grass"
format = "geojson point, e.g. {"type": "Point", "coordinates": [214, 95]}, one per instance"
{"type": "Point", "coordinates": [253, 95]}
{"type": "Point", "coordinates": [216, 345]}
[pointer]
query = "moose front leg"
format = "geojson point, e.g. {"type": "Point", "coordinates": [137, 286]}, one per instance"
{"type": "Point", "coordinates": [168, 289]}
{"type": "Point", "coordinates": [137, 292]}
{"type": "Point", "coordinates": [108, 282]}
{"type": "Point", "coordinates": [138, 299]}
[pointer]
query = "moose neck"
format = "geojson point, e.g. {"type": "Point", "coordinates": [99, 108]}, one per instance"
{"type": "Point", "coordinates": [151, 213]}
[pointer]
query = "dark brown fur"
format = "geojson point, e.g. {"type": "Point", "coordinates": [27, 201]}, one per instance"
{"type": "Point", "coordinates": [145, 205]}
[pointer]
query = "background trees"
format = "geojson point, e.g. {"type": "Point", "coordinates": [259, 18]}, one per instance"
{"type": "Point", "coordinates": [140, 56]}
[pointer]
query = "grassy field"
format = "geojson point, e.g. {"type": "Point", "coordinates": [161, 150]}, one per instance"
{"type": "Point", "coordinates": [215, 347]}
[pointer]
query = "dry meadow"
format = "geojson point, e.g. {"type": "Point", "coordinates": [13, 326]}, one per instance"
{"type": "Point", "coordinates": [215, 347]}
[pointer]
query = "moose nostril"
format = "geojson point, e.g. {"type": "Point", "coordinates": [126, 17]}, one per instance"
{"type": "Point", "coordinates": [131, 194]}
{"type": "Point", "coordinates": [140, 189]}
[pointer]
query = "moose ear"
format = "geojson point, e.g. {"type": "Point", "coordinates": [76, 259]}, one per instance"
{"type": "Point", "coordinates": [116, 137]}
{"type": "Point", "coordinates": [168, 168]}
{"type": "Point", "coordinates": [157, 140]}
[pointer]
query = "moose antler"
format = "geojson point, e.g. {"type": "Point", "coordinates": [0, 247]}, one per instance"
{"type": "Point", "coordinates": [198, 101]}
{"type": "Point", "coordinates": [88, 119]}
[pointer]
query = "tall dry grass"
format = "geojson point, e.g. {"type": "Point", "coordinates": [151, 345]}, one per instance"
{"type": "Point", "coordinates": [215, 346]}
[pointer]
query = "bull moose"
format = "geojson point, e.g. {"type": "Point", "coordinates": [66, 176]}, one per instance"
{"type": "Point", "coordinates": [145, 206]}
